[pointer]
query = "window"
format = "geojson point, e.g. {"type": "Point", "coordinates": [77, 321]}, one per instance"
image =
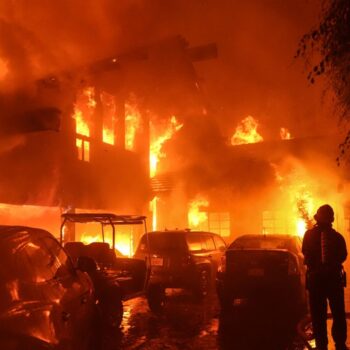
{"type": "Point", "coordinates": [198, 241]}
{"type": "Point", "coordinates": [83, 147]}
{"type": "Point", "coordinates": [209, 242]}
{"type": "Point", "coordinates": [219, 242]}
{"type": "Point", "coordinates": [62, 266]}
{"type": "Point", "coordinates": [35, 261]}
{"type": "Point", "coordinates": [220, 223]}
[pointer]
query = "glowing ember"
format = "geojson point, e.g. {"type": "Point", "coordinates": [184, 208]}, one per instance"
{"type": "Point", "coordinates": [246, 132]}
{"type": "Point", "coordinates": [109, 117]}
{"type": "Point", "coordinates": [285, 134]}
{"type": "Point", "coordinates": [132, 124]}
{"type": "Point", "coordinates": [195, 215]}
{"type": "Point", "coordinates": [157, 142]}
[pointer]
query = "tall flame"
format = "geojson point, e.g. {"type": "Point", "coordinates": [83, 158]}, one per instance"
{"type": "Point", "coordinates": [109, 117]}
{"type": "Point", "coordinates": [246, 132]}
{"type": "Point", "coordinates": [195, 215]}
{"type": "Point", "coordinates": [83, 110]}
{"type": "Point", "coordinates": [157, 142]}
{"type": "Point", "coordinates": [132, 124]}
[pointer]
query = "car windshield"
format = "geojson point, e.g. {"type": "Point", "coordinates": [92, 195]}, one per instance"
{"type": "Point", "coordinates": [263, 242]}
{"type": "Point", "coordinates": [166, 242]}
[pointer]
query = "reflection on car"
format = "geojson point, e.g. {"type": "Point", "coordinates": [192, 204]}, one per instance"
{"type": "Point", "coordinates": [180, 259]}
{"type": "Point", "coordinates": [263, 273]}
{"type": "Point", "coordinates": [45, 303]}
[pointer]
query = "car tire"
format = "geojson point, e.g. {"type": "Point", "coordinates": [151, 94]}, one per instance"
{"type": "Point", "coordinates": [156, 298]}
{"type": "Point", "coordinates": [112, 314]}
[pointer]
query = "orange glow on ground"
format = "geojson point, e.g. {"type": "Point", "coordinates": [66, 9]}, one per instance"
{"type": "Point", "coordinates": [157, 140]}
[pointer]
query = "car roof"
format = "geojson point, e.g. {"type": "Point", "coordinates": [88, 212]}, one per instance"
{"type": "Point", "coordinates": [267, 236]}
{"type": "Point", "coordinates": [181, 232]}
{"type": "Point", "coordinates": [12, 235]}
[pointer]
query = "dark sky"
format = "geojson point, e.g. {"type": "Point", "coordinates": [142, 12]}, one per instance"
{"type": "Point", "coordinates": [255, 72]}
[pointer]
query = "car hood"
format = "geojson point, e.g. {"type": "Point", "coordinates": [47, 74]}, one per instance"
{"type": "Point", "coordinates": [29, 319]}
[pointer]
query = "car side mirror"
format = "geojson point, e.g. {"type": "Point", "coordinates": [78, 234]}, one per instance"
{"type": "Point", "coordinates": [222, 249]}
{"type": "Point", "coordinates": [86, 264]}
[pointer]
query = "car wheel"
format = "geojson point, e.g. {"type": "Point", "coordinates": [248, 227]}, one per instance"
{"type": "Point", "coordinates": [156, 297]}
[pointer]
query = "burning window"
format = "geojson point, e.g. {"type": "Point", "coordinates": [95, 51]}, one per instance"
{"type": "Point", "coordinates": [108, 118]}
{"type": "Point", "coordinates": [132, 123]}
{"type": "Point", "coordinates": [84, 110]}
{"type": "Point", "coordinates": [219, 223]}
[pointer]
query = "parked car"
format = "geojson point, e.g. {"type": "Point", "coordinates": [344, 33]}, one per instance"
{"type": "Point", "coordinates": [180, 259]}
{"type": "Point", "coordinates": [263, 273]}
{"type": "Point", "coordinates": [45, 303]}
{"type": "Point", "coordinates": [116, 278]}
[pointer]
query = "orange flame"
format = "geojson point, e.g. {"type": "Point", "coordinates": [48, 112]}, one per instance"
{"type": "Point", "coordinates": [3, 69]}
{"type": "Point", "coordinates": [285, 134]}
{"type": "Point", "coordinates": [122, 245]}
{"type": "Point", "coordinates": [195, 215]}
{"type": "Point", "coordinates": [246, 132]}
{"type": "Point", "coordinates": [109, 118]}
{"type": "Point", "coordinates": [156, 143]}
{"type": "Point", "coordinates": [153, 209]}
{"type": "Point", "coordinates": [83, 110]}
{"type": "Point", "coordinates": [132, 124]}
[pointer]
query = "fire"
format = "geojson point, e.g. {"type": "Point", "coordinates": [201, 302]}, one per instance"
{"type": "Point", "coordinates": [153, 209]}
{"type": "Point", "coordinates": [83, 111]}
{"type": "Point", "coordinates": [285, 134]}
{"type": "Point", "coordinates": [246, 132]}
{"type": "Point", "coordinates": [157, 142]}
{"type": "Point", "coordinates": [305, 208]}
{"type": "Point", "coordinates": [109, 118]}
{"type": "Point", "coordinates": [132, 124]}
{"type": "Point", "coordinates": [123, 246]}
{"type": "Point", "coordinates": [3, 69]}
{"type": "Point", "coordinates": [195, 215]}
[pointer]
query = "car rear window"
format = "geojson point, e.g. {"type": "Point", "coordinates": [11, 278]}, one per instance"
{"type": "Point", "coordinates": [263, 242]}
{"type": "Point", "coordinates": [163, 242]}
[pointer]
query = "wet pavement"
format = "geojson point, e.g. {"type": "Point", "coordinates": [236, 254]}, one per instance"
{"type": "Point", "coordinates": [187, 323]}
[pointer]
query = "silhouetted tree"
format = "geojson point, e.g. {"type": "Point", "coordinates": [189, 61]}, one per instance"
{"type": "Point", "coordinates": [327, 47]}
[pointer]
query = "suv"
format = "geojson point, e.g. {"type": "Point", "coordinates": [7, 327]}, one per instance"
{"type": "Point", "coordinates": [180, 259]}
{"type": "Point", "coordinates": [263, 272]}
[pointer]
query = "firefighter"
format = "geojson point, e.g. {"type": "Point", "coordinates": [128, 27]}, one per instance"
{"type": "Point", "coordinates": [324, 252]}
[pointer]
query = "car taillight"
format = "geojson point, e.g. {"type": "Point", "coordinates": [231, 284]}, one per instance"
{"type": "Point", "coordinates": [293, 267]}
{"type": "Point", "coordinates": [222, 265]}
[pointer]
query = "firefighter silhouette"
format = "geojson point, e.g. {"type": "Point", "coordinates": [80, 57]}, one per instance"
{"type": "Point", "coordinates": [324, 252]}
